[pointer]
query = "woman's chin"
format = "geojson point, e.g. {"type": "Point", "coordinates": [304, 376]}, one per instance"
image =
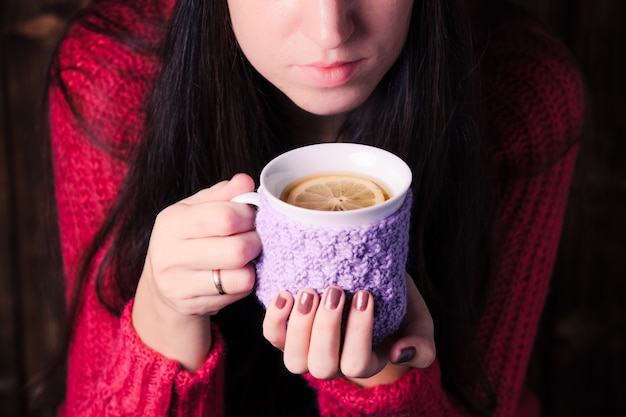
{"type": "Point", "coordinates": [329, 104]}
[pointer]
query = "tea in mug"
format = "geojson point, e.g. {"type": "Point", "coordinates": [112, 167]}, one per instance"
{"type": "Point", "coordinates": [334, 192]}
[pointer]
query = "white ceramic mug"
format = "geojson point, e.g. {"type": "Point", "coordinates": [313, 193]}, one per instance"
{"type": "Point", "coordinates": [362, 249]}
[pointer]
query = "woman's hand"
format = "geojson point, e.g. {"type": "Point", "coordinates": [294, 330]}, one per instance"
{"type": "Point", "coordinates": [176, 294]}
{"type": "Point", "coordinates": [308, 331]}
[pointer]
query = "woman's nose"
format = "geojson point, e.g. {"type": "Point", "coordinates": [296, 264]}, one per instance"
{"type": "Point", "coordinates": [329, 23]}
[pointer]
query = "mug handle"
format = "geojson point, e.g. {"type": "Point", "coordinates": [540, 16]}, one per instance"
{"type": "Point", "coordinates": [251, 197]}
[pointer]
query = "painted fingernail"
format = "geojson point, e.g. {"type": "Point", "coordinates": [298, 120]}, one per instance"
{"type": "Point", "coordinates": [361, 300]}
{"type": "Point", "coordinates": [332, 298]}
{"type": "Point", "coordinates": [305, 303]}
{"type": "Point", "coordinates": [280, 302]}
{"type": "Point", "coordinates": [406, 355]}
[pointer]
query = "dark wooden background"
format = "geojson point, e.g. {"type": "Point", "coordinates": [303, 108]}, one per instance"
{"type": "Point", "coordinates": [579, 364]}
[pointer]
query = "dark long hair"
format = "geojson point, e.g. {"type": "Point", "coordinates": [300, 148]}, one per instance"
{"type": "Point", "coordinates": [211, 115]}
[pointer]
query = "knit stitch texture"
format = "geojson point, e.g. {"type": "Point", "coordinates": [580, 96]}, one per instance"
{"type": "Point", "coordinates": [372, 257]}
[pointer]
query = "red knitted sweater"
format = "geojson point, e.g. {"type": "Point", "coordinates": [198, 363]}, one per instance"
{"type": "Point", "coordinates": [534, 112]}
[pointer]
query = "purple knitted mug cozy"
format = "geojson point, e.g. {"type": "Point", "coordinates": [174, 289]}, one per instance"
{"type": "Point", "coordinates": [371, 257]}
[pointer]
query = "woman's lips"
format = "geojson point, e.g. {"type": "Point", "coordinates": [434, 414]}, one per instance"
{"type": "Point", "coordinates": [330, 75]}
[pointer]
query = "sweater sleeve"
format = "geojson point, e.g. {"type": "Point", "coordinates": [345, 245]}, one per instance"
{"type": "Point", "coordinates": [534, 115]}
{"type": "Point", "coordinates": [95, 101]}
{"type": "Point", "coordinates": [535, 112]}
{"type": "Point", "coordinates": [419, 393]}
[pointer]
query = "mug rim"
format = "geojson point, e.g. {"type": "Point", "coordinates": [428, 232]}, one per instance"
{"type": "Point", "coordinates": [348, 218]}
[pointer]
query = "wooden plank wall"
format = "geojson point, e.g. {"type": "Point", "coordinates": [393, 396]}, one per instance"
{"type": "Point", "coordinates": [579, 366]}
{"type": "Point", "coordinates": [28, 324]}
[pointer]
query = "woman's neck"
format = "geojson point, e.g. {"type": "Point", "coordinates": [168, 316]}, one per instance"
{"type": "Point", "coordinates": [306, 128]}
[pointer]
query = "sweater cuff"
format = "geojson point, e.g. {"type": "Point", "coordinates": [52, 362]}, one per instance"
{"type": "Point", "coordinates": [400, 398]}
{"type": "Point", "coordinates": [160, 383]}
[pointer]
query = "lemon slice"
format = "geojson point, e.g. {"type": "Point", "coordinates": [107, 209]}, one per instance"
{"type": "Point", "coordinates": [335, 193]}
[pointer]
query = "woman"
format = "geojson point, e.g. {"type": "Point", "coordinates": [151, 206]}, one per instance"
{"type": "Point", "coordinates": [143, 198]}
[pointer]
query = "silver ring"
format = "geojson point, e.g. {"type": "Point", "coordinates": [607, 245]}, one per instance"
{"type": "Point", "coordinates": [217, 280]}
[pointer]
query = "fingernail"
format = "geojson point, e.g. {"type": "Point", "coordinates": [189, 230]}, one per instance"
{"type": "Point", "coordinates": [332, 298]}
{"type": "Point", "coordinates": [361, 300]}
{"type": "Point", "coordinates": [406, 355]}
{"type": "Point", "coordinates": [280, 302]}
{"type": "Point", "coordinates": [305, 303]}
